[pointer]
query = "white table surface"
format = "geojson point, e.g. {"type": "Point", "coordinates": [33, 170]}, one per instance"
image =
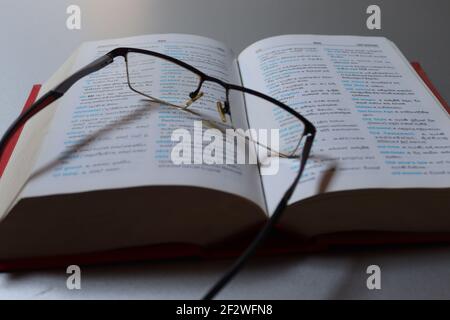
{"type": "Point", "coordinates": [35, 42]}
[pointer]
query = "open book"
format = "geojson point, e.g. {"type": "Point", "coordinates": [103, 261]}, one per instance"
{"type": "Point", "coordinates": [380, 161]}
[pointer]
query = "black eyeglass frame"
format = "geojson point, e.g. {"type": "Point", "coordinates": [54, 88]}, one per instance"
{"type": "Point", "coordinates": [101, 62]}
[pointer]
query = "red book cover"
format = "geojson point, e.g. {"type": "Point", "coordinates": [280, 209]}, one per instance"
{"type": "Point", "coordinates": [277, 244]}
{"type": "Point", "coordinates": [13, 141]}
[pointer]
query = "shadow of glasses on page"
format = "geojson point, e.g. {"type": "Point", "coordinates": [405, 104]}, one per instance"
{"type": "Point", "coordinates": [328, 173]}
{"type": "Point", "coordinates": [139, 112]}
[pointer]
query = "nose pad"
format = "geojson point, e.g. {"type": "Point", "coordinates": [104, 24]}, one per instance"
{"type": "Point", "coordinates": [222, 111]}
{"type": "Point", "coordinates": [227, 108]}
{"type": "Point", "coordinates": [193, 99]}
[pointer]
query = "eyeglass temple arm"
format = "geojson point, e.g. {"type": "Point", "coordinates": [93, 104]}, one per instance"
{"type": "Point", "coordinates": [51, 96]}
{"type": "Point", "coordinates": [94, 66]}
{"type": "Point", "coordinates": [264, 232]}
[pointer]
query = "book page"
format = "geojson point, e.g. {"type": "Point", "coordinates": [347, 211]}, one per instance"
{"type": "Point", "coordinates": [105, 136]}
{"type": "Point", "coordinates": [20, 164]}
{"type": "Point", "coordinates": [378, 125]}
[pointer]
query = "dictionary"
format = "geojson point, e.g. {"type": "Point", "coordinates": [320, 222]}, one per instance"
{"type": "Point", "coordinates": [379, 171]}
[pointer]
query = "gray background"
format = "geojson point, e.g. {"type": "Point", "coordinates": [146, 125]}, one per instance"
{"type": "Point", "coordinates": [35, 42]}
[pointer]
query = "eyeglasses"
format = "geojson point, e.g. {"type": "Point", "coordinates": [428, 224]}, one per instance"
{"type": "Point", "coordinates": [180, 86]}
